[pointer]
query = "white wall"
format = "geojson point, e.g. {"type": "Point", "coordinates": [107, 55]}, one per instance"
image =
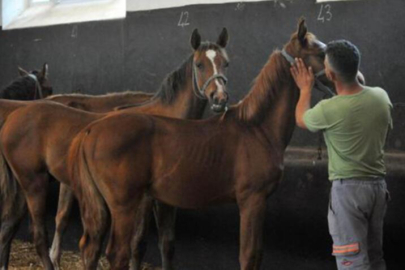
{"type": "Point", "coordinates": [137, 5]}
{"type": "Point", "coordinates": [1, 12]}
{"type": "Point", "coordinates": [18, 13]}
{"type": "Point", "coordinates": [12, 9]}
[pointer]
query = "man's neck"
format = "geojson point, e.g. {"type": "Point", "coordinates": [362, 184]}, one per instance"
{"type": "Point", "coordinates": [345, 89]}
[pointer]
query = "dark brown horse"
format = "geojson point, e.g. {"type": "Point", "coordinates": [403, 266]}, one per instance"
{"type": "Point", "coordinates": [29, 86]}
{"type": "Point", "coordinates": [35, 137]}
{"type": "Point", "coordinates": [237, 156]}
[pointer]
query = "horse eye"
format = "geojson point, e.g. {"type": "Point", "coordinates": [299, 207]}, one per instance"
{"type": "Point", "coordinates": [226, 64]}
{"type": "Point", "coordinates": [200, 65]}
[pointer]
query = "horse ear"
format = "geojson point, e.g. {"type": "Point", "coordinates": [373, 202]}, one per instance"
{"type": "Point", "coordinates": [44, 72]}
{"type": "Point", "coordinates": [302, 31]}
{"type": "Point", "coordinates": [195, 39]}
{"type": "Point", "coordinates": [22, 72]}
{"type": "Point", "coordinates": [223, 38]}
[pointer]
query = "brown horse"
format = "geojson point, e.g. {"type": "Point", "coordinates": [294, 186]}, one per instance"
{"type": "Point", "coordinates": [237, 156]}
{"type": "Point", "coordinates": [35, 136]}
{"type": "Point", "coordinates": [165, 102]}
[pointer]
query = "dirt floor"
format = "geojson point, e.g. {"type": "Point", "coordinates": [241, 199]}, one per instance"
{"type": "Point", "coordinates": [24, 257]}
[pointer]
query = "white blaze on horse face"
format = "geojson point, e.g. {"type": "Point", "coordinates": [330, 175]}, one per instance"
{"type": "Point", "coordinates": [211, 54]}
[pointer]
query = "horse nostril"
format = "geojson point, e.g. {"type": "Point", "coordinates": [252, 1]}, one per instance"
{"type": "Point", "coordinates": [212, 95]}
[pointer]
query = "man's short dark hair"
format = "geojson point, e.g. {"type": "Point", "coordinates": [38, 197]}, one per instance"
{"type": "Point", "coordinates": [344, 57]}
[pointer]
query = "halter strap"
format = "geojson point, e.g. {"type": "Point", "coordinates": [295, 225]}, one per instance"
{"type": "Point", "coordinates": [38, 88]}
{"type": "Point", "coordinates": [200, 92]}
{"type": "Point", "coordinates": [318, 84]}
{"type": "Point", "coordinates": [288, 57]}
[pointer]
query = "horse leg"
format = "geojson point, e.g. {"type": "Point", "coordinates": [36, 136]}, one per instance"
{"type": "Point", "coordinates": [165, 216]}
{"type": "Point", "coordinates": [142, 222]}
{"type": "Point", "coordinates": [122, 228]}
{"type": "Point", "coordinates": [13, 210]}
{"type": "Point", "coordinates": [64, 207]}
{"type": "Point", "coordinates": [36, 199]}
{"type": "Point", "coordinates": [252, 210]}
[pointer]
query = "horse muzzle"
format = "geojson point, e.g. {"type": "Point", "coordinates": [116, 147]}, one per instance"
{"type": "Point", "coordinates": [220, 105]}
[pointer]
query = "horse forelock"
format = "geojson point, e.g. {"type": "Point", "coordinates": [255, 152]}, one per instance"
{"type": "Point", "coordinates": [265, 89]}
{"type": "Point", "coordinates": [207, 46]}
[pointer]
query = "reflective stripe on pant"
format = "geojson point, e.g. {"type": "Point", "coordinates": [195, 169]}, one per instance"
{"type": "Point", "coordinates": [356, 212]}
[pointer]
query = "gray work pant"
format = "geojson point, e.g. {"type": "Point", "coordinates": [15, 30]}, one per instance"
{"type": "Point", "coordinates": [356, 212]}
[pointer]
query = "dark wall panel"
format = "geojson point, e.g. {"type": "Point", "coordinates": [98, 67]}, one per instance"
{"type": "Point", "coordinates": [136, 53]}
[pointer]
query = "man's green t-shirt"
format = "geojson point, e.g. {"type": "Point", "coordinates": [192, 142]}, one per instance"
{"type": "Point", "coordinates": [355, 129]}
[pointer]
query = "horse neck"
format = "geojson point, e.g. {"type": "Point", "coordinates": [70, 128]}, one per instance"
{"type": "Point", "coordinates": [182, 102]}
{"type": "Point", "coordinates": [21, 89]}
{"type": "Point", "coordinates": [187, 104]}
{"type": "Point", "coordinates": [270, 106]}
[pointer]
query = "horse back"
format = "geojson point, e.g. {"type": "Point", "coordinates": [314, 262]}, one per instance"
{"type": "Point", "coordinates": [102, 103]}
{"type": "Point", "coordinates": [40, 134]}
{"type": "Point", "coordinates": [9, 106]}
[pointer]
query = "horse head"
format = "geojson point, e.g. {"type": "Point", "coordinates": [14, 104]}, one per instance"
{"type": "Point", "coordinates": [43, 86]}
{"type": "Point", "coordinates": [210, 62]}
{"type": "Point", "coordinates": [306, 46]}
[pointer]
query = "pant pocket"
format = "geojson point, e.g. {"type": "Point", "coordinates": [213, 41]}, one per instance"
{"type": "Point", "coordinates": [330, 206]}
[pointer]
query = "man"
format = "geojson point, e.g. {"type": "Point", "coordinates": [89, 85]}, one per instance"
{"type": "Point", "coordinates": [355, 125]}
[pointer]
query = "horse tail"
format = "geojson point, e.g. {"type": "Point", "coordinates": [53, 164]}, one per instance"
{"type": "Point", "coordinates": [91, 202]}
{"type": "Point", "coordinates": [8, 185]}
{"type": "Point", "coordinates": [9, 189]}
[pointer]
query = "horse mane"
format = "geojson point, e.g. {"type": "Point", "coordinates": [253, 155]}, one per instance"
{"type": "Point", "coordinates": [20, 89]}
{"type": "Point", "coordinates": [173, 82]}
{"type": "Point", "coordinates": [265, 89]}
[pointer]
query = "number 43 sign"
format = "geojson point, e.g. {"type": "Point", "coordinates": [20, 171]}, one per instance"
{"type": "Point", "coordinates": [325, 13]}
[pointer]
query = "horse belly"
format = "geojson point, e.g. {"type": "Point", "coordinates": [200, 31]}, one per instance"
{"type": "Point", "coordinates": [193, 191]}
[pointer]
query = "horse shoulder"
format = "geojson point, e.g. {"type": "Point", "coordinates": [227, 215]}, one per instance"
{"type": "Point", "coordinates": [258, 166]}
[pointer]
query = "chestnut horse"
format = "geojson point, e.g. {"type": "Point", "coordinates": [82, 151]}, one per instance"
{"type": "Point", "coordinates": [35, 137]}
{"type": "Point", "coordinates": [237, 156]}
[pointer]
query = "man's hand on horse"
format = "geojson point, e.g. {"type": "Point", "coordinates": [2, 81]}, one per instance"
{"type": "Point", "coordinates": [303, 76]}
